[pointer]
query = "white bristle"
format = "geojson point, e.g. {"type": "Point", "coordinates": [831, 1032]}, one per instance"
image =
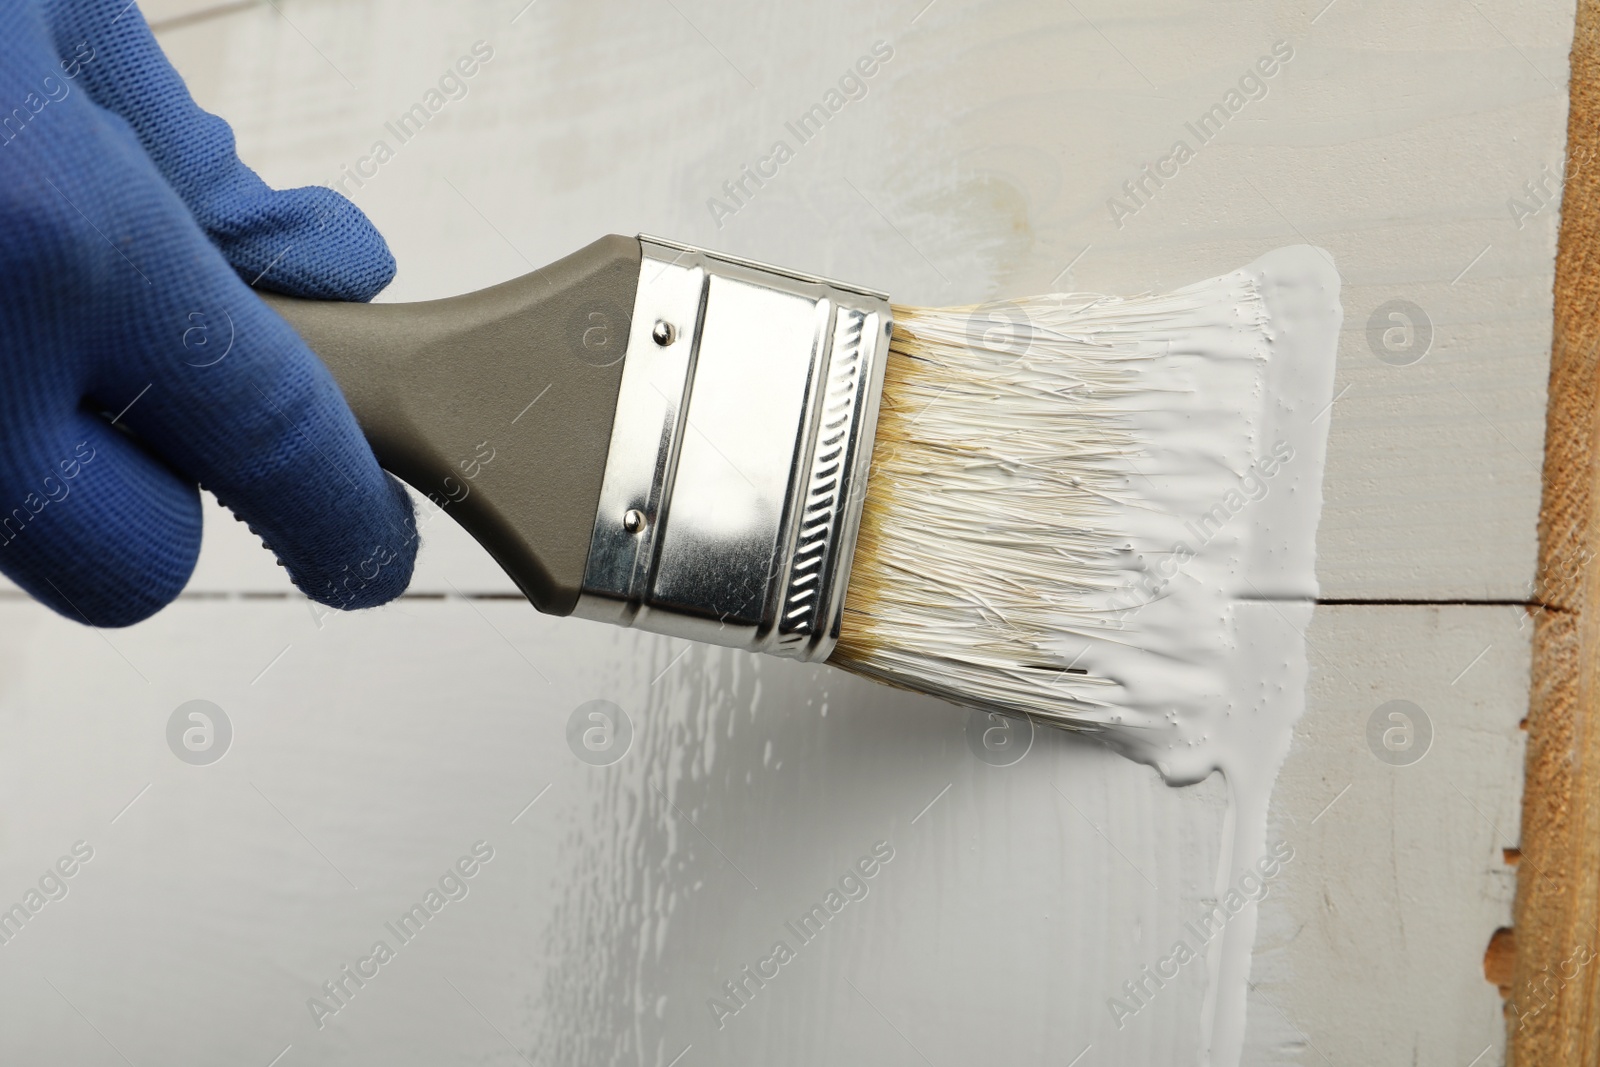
{"type": "Point", "coordinates": [1036, 460]}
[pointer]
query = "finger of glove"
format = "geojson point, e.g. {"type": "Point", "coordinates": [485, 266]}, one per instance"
{"type": "Point", "coordinates": [95, 526]}
{"type": "Point", "coordinates": [245, 408]}
{"type": "Point", "coordinates": [126, 293]}
{"type": "Point", "coordinates": [308, 242]}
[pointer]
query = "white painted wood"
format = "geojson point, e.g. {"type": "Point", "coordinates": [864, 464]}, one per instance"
{"type": "Point", "coordinates": [980, 164]}
{"type": "Point", "coordinates": [169, 14]}
{"type": "Point", "coordinates": [1018, 900]}
{"type": "Point", "coordinates": [1371, 950]}
{"type": "Point", "coordinates": [379, 747]}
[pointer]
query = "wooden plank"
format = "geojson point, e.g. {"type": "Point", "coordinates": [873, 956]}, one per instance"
{"type": "Point", "coordinates": [1395, 138]}
{"type": "Point", "coordinates": [1369, 948]}
{"type": "Point", "coordinates": [981, 164]}
{"type": "Point", "coordinates": [1553, 1014]}
{"type": "Point", "coordinates": [1018, 902]}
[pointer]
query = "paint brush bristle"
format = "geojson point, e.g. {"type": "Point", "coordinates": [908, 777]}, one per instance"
{"type": "Point", "coordinates": [1046, 470]}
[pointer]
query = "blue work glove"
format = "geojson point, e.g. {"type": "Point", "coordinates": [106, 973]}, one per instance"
{"type": "Point", "coordinates": [130, 237]}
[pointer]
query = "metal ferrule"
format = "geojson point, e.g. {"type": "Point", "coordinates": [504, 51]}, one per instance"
{"type": "Point", "coordinates": [738, 462]}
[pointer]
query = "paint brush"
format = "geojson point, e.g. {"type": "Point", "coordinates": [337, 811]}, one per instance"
{"type": "Point", "coordinates": [1029, 506]}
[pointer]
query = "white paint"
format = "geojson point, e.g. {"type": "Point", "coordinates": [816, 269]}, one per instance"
{"type": "Point", "coordinates": [1129, 488]}
{"type": "Point", "coordinates": [1256, 577]}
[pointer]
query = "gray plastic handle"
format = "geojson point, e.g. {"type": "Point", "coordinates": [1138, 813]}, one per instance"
{"type": "Point", "coordinates": [497, 404]}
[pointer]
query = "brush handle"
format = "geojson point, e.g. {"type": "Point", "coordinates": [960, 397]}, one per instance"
{"type": "Point", "coordinates": [497, 404]}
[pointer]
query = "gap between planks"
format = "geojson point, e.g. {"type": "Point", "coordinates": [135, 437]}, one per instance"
{"type": "Point", "coordinates": [205, 14]}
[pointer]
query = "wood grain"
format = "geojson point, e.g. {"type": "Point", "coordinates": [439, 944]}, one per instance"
{"type": "Point", "coordinates": [1553, 1014]}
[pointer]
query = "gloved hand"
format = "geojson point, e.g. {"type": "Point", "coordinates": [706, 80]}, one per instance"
{"type": "Point", "coordinates": [130, 235]}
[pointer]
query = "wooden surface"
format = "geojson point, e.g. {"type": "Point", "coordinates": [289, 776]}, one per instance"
{"type": "Point", "coordinates": [1017, 904]}
{"type": "Point", "coordinates": [1553, 1014]}
{"type": "Point", "coordinates": [1394, 139]}
{"type": "Point", "coordinates": [979, 165]}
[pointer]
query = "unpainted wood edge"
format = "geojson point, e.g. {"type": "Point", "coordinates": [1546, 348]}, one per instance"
{"type": "Point", "coordinates": [1553, 1008]}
